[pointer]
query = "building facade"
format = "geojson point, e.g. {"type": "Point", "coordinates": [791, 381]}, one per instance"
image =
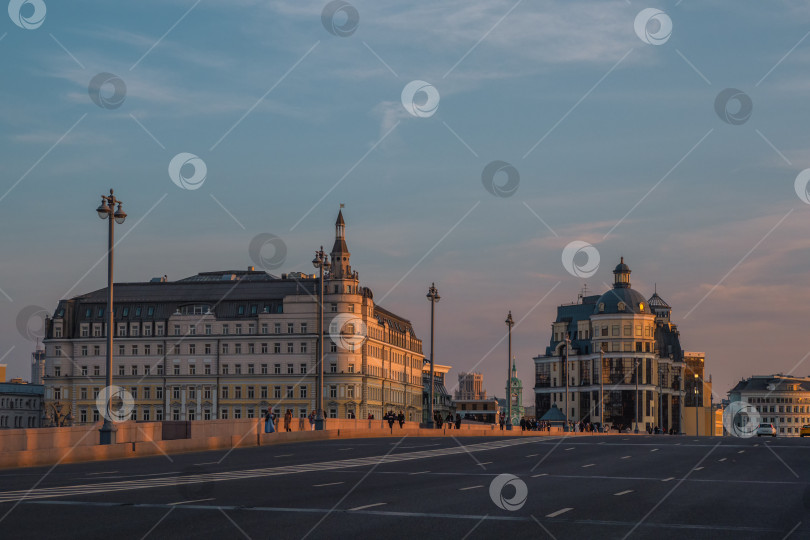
{"type": "Point", "coordinates": [514, 391]}
{"type": "Point", "coordinates": [20, 405]}
{"type": "Point", "coordinates": [470, 386]}
{"type": "Point", "coordinates": [442, 400]}
{"type": "Point", "coordinates": [624, 361]}
{"type": "Point", "coordinates": [781, 400]}
{"type": "Point", "coordinates": [234, 344]}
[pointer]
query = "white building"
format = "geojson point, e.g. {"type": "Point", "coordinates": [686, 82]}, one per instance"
{"type": "Point", "coordinates": [781, 400]}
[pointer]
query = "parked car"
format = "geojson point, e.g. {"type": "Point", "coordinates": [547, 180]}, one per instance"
{"type": "Point", "coordinates": [766, 429]}
{"type": "Point", "coordinates": [805, 430]}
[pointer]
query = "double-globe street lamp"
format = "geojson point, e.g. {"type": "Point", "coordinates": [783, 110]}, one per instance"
{"type": "Point", "coordinates": [697, 381]}
{"type": "Point", "coordinates": [321, 262]}
{"type": "Point", "coordinates": [106, 210]}
{"type": "Point", "coordinates": [433, 297]}
{"type": "Point", "coordinates": [565, 369]}
{"type": "Point", "coordinates": [637, 403]}
{"type": "Point", "coordinates": [509, 324]}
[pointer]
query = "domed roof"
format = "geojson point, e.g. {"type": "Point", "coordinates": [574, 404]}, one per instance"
{"type": "Point", "coordinates": [629, 300]}
{"type": "Point", "coordinates": [621, 268]}
{"type": "Point", "coordinates": [657, 301]}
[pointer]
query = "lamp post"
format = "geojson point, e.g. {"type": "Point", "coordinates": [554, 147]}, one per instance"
{"type": "Point", "coordinates": [433, 296]}
{"type": "Point", "coordinates": [320, 262]}
{"type": "Point", "coordinates": [567, 345]}
{"type": "Point", "coordinates": [106, 210]}
{"type": "Point", "coordinates": [601, 388]}
{"type": "Point", "coordinates": [697, 431]}
{"type": "Point", "coordinates": [636, 362]}
{"type": "Point", "coordinates": [509, 324]}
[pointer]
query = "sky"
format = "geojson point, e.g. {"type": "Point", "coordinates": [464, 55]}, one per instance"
{"type": "Point", "coordinates": [471, 142]}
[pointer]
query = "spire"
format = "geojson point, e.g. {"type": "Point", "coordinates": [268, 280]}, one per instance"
{"type": "Point", "coordinates": [621, 273]}
{"type": "Point", "coordinates": [340, 251]}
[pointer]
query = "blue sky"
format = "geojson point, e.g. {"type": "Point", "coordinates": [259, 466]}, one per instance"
{"type": "Point", "coordinates": [628, 129]}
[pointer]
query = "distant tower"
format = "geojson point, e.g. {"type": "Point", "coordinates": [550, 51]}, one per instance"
{"type": "Point", "coordinates": [38, 364]}
{"type": "Point", "coordinates": [341, 267]}
{"type": "Point", "coordinates": [621, 276]}
{"type": "Point", "coordinates": [515, 393]}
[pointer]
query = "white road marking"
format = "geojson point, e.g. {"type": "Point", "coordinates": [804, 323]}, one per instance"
{"type": "Point", "coordinates": [485, 463]}
{"type": "Point", "coordinates": [366, 506]}
{"type": "Point", "coordinates": [329, 484]}
{"type": "Point", "coordinates": [722, 459]}
{"type": "Point", "coordinates": [756, 444]}
{"type": "Point", "coordinates": [654, 450]}
{"type": "Point", "coordinates": [668, 479]}
{"type": "Point", "coordinates": [589, 465]}
{"type": "Point", "coordinates": [698, 468]}
{"type": "Point", "coordinates": [469, 487]}
{"type": "Point", "coordinates": [284, 455]}
{"type": "Point", "coordinates": [341, 450]}
{"type": "Point", "coordinates": [532, 455]}
{"type": "Point", "coordinates": [420, 472]}
{"type": "Point", "coordinates": [567, 449]}
{"type": "Point", "coordinates": [625, 492]}
{"type": "Point", "coordinates": [188, 502]}
{"type": "Point", "coordinates": [625, 457]}
{"type": "Point", "coordinates": [105, 472]}
{"type": "Point", "coordinates": [558, 512]}
{"type": "Point", "coordinates": [208, 463]}
{"type": "Point", "coordinates": [539, 475]}
{"type": "Point", "coordinates": [741, 452]}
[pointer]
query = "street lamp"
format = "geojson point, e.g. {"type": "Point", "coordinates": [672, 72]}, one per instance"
{"type": "Point", "coordinates": [433, 297]}
{"type": "Point", "coordinates": [636, 362]}
{"type": "Point", "coordinates": [106, 210]}
{"type": "Point", "coordinates": [320, 262]}
{"type": "Point", "coordinates": [601, 388]}
{"type": "Point", "coordinates": [509, 324]}
{"type": "Point", "coordinates": [697, 431]}
{"type": "Point", "coordinates": [567, 345]}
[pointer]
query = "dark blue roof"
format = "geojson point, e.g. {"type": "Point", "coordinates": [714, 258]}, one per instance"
{"type": "Point", "coordinates": [634, 302]}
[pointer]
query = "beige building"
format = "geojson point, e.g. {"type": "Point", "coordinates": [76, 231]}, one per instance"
{"type": "Point", "coordinates": [470, 386]}
{"type": "Point", "coordinates": [233, 344]}
{"type": "Point", "coordinates": [781, 400]}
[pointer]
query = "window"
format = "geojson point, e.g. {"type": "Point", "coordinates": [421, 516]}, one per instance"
{"type": "Point", "coordinates": [290, 348]}
{"type": "Point", "coordinates": [303, 348]}
{"type": "Point", "coordinates": [237, 392]}
{"type": "Point", "coordinates": [159, 392]}
{"type": "Point", "coordinates": [332, 391]}
{"type": "Point", "coordinates": [207, 348]}
{"type": "Point", "coordinates": [122, 350]}
{"type": "Point", "coordinates": [135, 330]}
{"type": "Point", "coordinates": [277, 392]}
{"type": "Point", "coordinates": [290, 327]}
{"type": "Point", "coordinates": [96, 350]}
{"type": "Point", "coordinates": [224, 392]}
{"type": "Point", "coordinates": [351, 368]}
{"type": "Point", "coordinates": [251, 392]}
{"type": "Point", "coordinates": [176, 392]}
{"type": "Point", "coordinates": [207, 414]}
{"type": "Point", "coordinates": [332, 413]}
{"type": "Point", "coordinates": [176, 329]}
{"type": "Point", "coordinates": [150, 311]}
{"type": "Point", "coordinates": [84, 350]}
{"type": "Point", "coordinates": [85, 331]}
{"type": "Point", "coordinates": [192, 393]}
{"type": "Point", "coordinates": [237, 413]}
{"type": "Point", "coordinates": [133, 370]}
{"type": "Point", "coordinates": [239, 326]}
{"type": "Point", "coordinates": [159, 332]}
{"type": "Point", "coordinates": [83, 416]}
{"type": "Point", "coordinates": [192, 348]}
{"type": "Point", "coordinates": [333, 368]}
{"type": "Point", "coordinates": [207, 329]}
{"type": "Point", "coordinates": [224, 369]}
{"type": "Point", "coordinates": [264, 348]}
{"type": "Point", "coordinates": [276, 369]}
{"type": "Point", "coordinates": [145, 415]}
{"type": "Point", "coordinates": [290, 369]}
{"type": "Point", "coordinates": [289, 391]}
{"type": "Point", "coordinates": [121, 370]}
{"type": "Point", "coordinates": [83, 393]}
{"type": "Point", "coordinates": [147, 391]}
{"type": "Point", "coordinates": [96, 370]}
{"type": "Point", "coordinates": [333, 307]}
{"type": "Point", "coordinates": [264, 369]}
{"type": "Point", "coordinates": [238, 369]}
{"type": "Point", "coordinates": [333, 347]}
{"type": "Point", "coordinates": [277, 328]}
{"type": "Point", "coordinates": [207, 392]}
{"type": "Point", "coordinates": [264, 328]}
{"type": "Point", "coordinates": [263, 392]}
{"type": "Point", "coordinates": [302, 369]}
{"type": "Point", "coordinates": [237, 348]}
{"type": "Point", "coordinates": [251, 369]}
{"type": "Point", "coordinates": [134, 392]}
{"type": "Point", "coordinates": [176, 369]}
{"type": "Point", "coordinates": [159, 349]}
{"type": "Point", "coordinates": [277, 348]}
{"type": "Point", "coordinates": [224, 414]}
{"type": "Point", "coordinates": [192, 369]}
{"type": "Point", "coordinates": [225, 329]}
{"type": "Point", "coordinates": [303, 328]}
{"type": "Point", "coordinates": [302, 392]}
{"type": "Point", "coordinates": [251, 348]}
{"type": "Point", "coordinates": [350, 391]}
{"type": "Point", "coordinates": [160, 369]}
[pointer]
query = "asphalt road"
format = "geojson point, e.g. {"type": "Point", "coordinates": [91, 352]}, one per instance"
{"type": "Point", "coordinates": [585, 487]}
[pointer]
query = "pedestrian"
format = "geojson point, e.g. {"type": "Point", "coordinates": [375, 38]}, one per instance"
{"type": "Point", "coordinates": [502, 421]}
{"type": "Point", "coordinates": [287, 420]}
{"type": "Point", "coordinates": [522, 424]}
{"type": "Point", "coordinates": [458, 421]}
{"type": "Point", "coordinates": [390, 418]}
{"type": "Point", "coordinates": [301, 421]}
{"type": "Point", "coordinates": [449, 420]}
{"type": "Point", "coordinates": [312, 421]}
{"type": "Point", "coordinates": [401, 419]}
{"type": "Point", "coordinates": [268, 422]}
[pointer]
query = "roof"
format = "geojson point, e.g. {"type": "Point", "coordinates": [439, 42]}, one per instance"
{"type": "Point", "coordinates": [22, 388]}
{"type": "Point", "coordinates": [771, 383]}
{"type": "Point", "coordinates": [633, 301]}
{"type": "Point", "coordinates": [658, 302]}
{"type": "Point", "coordinates": [621, 268]}
{"type": "Point", "coordinates": [553, 415]}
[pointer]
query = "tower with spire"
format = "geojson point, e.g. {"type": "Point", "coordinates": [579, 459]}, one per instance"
{"type": "Point", "coordinates": [515, 393]}
{"type": "Point", "coordinates": [341, 263]}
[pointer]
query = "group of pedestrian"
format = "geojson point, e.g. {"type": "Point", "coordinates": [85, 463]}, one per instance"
{"type": "Point", "coordinates": [392, 417]}
{"type": "Point", "coordinates": [271, 421]}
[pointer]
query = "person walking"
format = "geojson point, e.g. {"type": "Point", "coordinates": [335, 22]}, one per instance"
{"type": "Point", "coordinates": [449, 420]}
{"type": "Point", "coordinates": [268, 422]}
{"type": "Point", "coordinates": [390, 418]}
{"type": "Point", "coordinates": [312, 421]}
{"type": "Point", "coordinates": [400, 419]}
{"type": "Point", "coordinates": [458, 421]}
{"type": "Point", "coordinates": [301, 422]}
{"type": "Point", "coordinates": [502, 421]}
{"type": "Point", "coordinates": [287, 420]}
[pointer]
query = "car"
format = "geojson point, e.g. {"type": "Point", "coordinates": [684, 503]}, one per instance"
{"type": "Point", "coordinates": [805, 430]}
{"type": "Point", "coordinates": [766, 429]}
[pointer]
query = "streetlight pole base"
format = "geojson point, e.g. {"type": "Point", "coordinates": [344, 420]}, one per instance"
{"type": "Point", "coordinates": [508, 427]}
{"type": "Point", "coordinates": [107, 434]}
{"type": "Point", "coordinates": [428, 425]}
{"type": "Point", "coordinates": [319, 424]}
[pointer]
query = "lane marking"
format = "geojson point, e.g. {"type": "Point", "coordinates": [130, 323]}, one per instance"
{"type": "Point", "coordinates": [625, 457]}
{"type": "Point", "coordinates": [539, 475]}
{"type": "Point", "coordinates": [625, 492]}
{"type": "Point", "coordinates": [105, 472]}
{"type": "Point", "coordinates": [284, 455]}
{"type": "Point", "coordinates": [342, 450]}
{"type": "Point", "coordinates": [654, 450]}
{"type": "Point", "coordinates": [208, 463]}
{"type": "Point", "coordinates": [470, 487]}
{"type": "Point", "coordinates": [366, 506]}
{"type": "Point", "coordinates": [485, 463]}
{"type": "Point", "coordinates": [188, 502]}
{"type": "Point", "coordinates": [329, 484]}
{"type": "Point", "coordinates": [567, 449]}
{"type": "Point", "coordinates": [722, 459]}
{"type": "Point", "coordinates": [697, 468]}
{"type": "Point", "coordinates": [558, 512]}
{"type": "Point", "coordinates": [420, 472]}
{"type": "Point", "coordinates": [532, 455]}
{"type": "Point", "coordinates": [589, 465]}
{"type": "Point", "coordinates": [741, 452]}
{"type": "Point", "coordinates": [668, 479]}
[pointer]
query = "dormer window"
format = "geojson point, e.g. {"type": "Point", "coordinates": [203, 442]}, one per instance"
{"type": "Point", "coordinates": [601, 307]}
{"type": "Point", "coordinates": [621, 306]}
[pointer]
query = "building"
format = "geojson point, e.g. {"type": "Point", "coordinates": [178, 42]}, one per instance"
{"type": "Point", "coordinates": [232, 344]}
{"type": "Point", "coordinates": [515, 391]}
{"type": "Point", "coordinates": [470, 386]}
{"type": "Point", "coordinates": [20, 405]}
{"type": "Point", "coordinates": [442, 400]}
{"type": "Point", "coordinates": [619, 346]}
{"type": "Point", "coordinates": [38, 365]}
{"type": "Point", "coordinates": [781, 400]}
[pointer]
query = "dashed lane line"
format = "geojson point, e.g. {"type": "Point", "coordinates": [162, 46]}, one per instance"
{"type": "Point", "coordinates": [625, 492]}
{"type": "Point", "coordinates": [470, 487]}
{"type": "Point", "coordinates": [190, 502]}
{"type": "Point", "coordinates": [558, 512]}
{"type": "Point", "coordinates": [355, 509]}
{"type": "Point", "coordinates": [589, 465]}
{"type": "Point", "coordinates": [329, 484]}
